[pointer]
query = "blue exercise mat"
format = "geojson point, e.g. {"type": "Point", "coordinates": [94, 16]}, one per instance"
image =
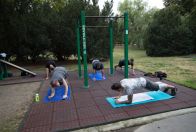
{"type": "Point", "coordinates": [97, 76]}
{"type": "Point", "coordinates": [156, 95]}
{"type": "Point", "coordinates": [59, 92]}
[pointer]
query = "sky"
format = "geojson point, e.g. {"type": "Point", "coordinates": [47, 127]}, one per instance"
{"type": "Point", "coordinates": [151, 3]}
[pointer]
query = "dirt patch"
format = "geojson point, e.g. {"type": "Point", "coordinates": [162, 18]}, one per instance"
{"type": "Point", "coordinates": [14, 103]}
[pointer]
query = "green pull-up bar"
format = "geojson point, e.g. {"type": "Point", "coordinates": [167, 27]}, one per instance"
{"type": "Point", "coordinates": [111, 45]}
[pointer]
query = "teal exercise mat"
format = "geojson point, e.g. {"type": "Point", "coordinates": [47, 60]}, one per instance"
{"type": "Point", "coordinates": [59, 92]}
{"type": "Point", "coordinates": [155, 96]}
{"type": "Point", "coordinates": [96, 76]}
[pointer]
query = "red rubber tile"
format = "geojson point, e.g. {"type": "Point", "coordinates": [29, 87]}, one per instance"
{"type": "Point", "coordinates": [63, 116]}
{"type": "Point", "coordinates": [107, 109]}
{"type": "Point", "coordinates": [112, 93]}
{"type": "Point", "coordinates": [172, 101]}
{"type": "Point", "coordinates": [138, 112]}
{"type": "Point", "coordinates": [38, 108]}
{"type": "Point", "coordinates": [100, 100]}
{"type": "Point", "coordinates": [154, 104]}
{"type": "Point", "coordinates": [178, 105]}
{"type": "Point", "coordinates": [88, 112]}
{"type": "Point", "coordinates": [134, 107]}
{"type": "Point", "coordinates": [191, 103]}
{"type": "Point", "coordinates": [62, 126]}
{"type": "Point", "coordinates": [64, 105]}
{"type": "Point", "coordinates": [184, 96]}
{"type": "Point", "coordinates": [84, 103]}
{"type": "Point", "coordinates": [99, 93]}
{"type": "Point", "coordinates": [159, 109]}
{"type": "Point", "coordinates": [38, 120]}
{"type": "Point", "coordinates": [88, 106]}
{"type": "Point", "coordinates": [38, 129]}
{"type": "Point", "coordinates": [116, 117]}
{"type": "Point", "coordinates": [92, 121]}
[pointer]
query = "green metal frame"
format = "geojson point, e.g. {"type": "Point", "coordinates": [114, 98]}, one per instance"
{"type": "Point", "coordinates": [126, 31]}
{"type": "Point", "coordinates": [111, 45]}
{"type": "Point", "coordinates": [78, 49]}
{"type": "Point", "coordinates": [84, 50]}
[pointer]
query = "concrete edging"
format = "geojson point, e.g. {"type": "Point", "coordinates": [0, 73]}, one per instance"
{"type": "Point", "coordinates": [136, 121]}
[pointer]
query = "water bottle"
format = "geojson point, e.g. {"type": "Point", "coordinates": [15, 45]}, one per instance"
{"type": "Point", "coordinates": [36, 97]}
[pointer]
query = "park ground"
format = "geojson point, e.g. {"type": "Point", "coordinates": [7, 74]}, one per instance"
{"type": "Point", "coordinates": [16, 99]}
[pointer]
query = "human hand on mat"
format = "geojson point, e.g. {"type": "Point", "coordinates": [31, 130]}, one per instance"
{"type": "Point", "coordinates": [94, 79]}
{"type": "Point", "coordinates": [50, 96]}
{"type": "Point", "coordinates": [65, 96]}
{"type": "Point", "coordinates": [117, 97]}
{"type": "Point", "coordinates": [117, 101]}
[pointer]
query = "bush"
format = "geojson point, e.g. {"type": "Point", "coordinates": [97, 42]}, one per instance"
{"type": "Point", "coordinates": [168, 34]}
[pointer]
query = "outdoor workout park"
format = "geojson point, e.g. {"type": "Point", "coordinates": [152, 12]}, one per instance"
{"type": "Point", "coordinates": [90, 102]}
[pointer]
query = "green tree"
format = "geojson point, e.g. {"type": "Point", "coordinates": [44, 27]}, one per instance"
{"type": "Point", "coordinates": [168, 34]}
{"type": "Point", "coordinates": [139, 17]}
{"type": "Point", "coordinates": [186, 5]}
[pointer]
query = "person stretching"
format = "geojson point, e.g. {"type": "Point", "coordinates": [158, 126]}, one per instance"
{"type": "Point", "coordinates": [98, 66]}
{"type": "Point", "coordinates": [121, 63]}
{"type": "Point", "coordinates": [59, 77]}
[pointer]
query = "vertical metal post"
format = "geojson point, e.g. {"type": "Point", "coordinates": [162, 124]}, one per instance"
{"type": "Point", "coordinates": [111, 46]}
{"type": "Point", "coordinates": [78, 48]}
{"type": "Point", "coordinates": [84, 50]}
{"type": "Point", "coordinates": [1, 71]}
{"type": "Point", "coordinates": [126, 44]}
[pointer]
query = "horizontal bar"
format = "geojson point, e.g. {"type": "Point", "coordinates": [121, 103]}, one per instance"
{"type": "Point", "coordinates": [104, 16]}
{"type": "Point", "coordinates": [96, 26]}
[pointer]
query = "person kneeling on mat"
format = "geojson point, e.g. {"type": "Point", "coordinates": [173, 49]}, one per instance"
{"type": "Point", "coordinates": [98, 66]}
{"type": "Point", "coordinates": [121, 63]}
{"type": "Point", "coordinates": [59, 77]}
{"type": "Point", "coordinates": [50, 65]}
{"type": "Point", "coordinates": [127, 86]}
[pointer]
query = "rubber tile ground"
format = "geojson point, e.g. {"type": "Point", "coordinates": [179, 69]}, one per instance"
{"type": "Point", "coordinates": [88, 106]}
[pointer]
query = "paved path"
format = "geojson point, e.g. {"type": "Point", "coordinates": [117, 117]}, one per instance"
{"type": "Point", "coordinates": [182, 123]}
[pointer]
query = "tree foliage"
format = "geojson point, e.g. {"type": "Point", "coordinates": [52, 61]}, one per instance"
{"type": "Point", "coordinates": [29, 28]}
{"type": "Point", "coordinates": [168, 34]}
{"type": "Point", "coordinates": [139, 17]}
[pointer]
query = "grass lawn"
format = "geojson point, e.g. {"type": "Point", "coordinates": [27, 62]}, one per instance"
{"type": "Point", "coordinates": [180, 69]}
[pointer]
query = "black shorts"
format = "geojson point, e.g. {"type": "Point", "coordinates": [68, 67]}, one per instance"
{"type": "Point", "coordinates": [122, 63]}
{"type": "Point", "coordinates": [151, 85]}
{"type": "Point", "coordinates": [95, 67]}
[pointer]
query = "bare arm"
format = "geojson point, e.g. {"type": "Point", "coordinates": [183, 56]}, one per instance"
{"type": "Point", "coordinates": [133, 72]}
{"type": "Point", "coordinates": [47, 73]}
{"type": "Point", "coordinates": [129, 101]}
{"type": "Point", "coordinates": [102, 72]}
{"type": "Point", "coordinates": [52, 93]}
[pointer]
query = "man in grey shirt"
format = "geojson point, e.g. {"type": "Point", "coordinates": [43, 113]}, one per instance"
{"type": "Point", "coordinates": [59, 77]}
{"type": "Point", "coordinates": [127, 86]}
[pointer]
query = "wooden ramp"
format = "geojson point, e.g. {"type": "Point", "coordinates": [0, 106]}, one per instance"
{"type": "Point", "coordinates": [18, 67]}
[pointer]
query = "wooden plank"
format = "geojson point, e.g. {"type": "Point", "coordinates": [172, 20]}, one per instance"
{"type": "Point", "coordinates": [18, 67]}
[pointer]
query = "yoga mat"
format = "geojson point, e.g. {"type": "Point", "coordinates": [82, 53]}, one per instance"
{"type": "Point", "coordinates": [156, 96]}
{"type": "Point", "coordinates": [97, 76]}
{"type": "Point", "coordinates": [59, 92]}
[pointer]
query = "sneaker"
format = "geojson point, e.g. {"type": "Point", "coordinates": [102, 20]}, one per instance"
{"type": "Point", "coordinates": [173, 91]}
{"type": "Point", "coordinates": [165, 90]}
